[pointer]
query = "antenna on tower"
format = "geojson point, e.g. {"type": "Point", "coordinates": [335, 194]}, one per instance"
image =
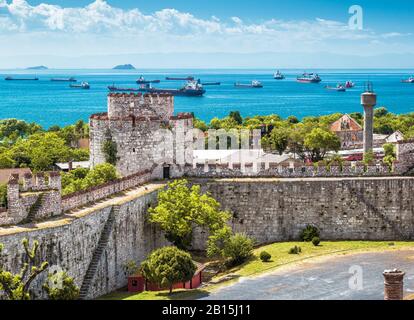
{"type": "Point", "coordinates": [369, 87]}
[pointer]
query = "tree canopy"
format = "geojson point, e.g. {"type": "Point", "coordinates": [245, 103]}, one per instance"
{"type": "Point", "coordinates": [167, 266]}
{"type": "Point", "coordinates": [181, 207]}
{"type": "Point", "coordinates": [82, 179]}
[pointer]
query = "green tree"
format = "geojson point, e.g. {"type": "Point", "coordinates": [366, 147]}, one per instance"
{"type": "Point", "coordinates": [17, 286]}
{"type": "Point", "coordinates": [390, 155]}
{"type": "Point", "coordinates": [100, 174]}
{"type": "Point", "coordinates": [235, 115]}
{"type": "Point", "coordinates": [40, 151]}
{"type": "Point", "coordinates": [167, 266]}
{"type": "Point", "coordinates": [380, 112]}
{"type": "Point", "coordinates": [318, 142]}
{"type": "Point", "coordinates": [199, 124]}
{"type": "Point", "coordinates": [292, 120]}
{"type": "Point", "coordinates": [12, 129]}
{"type": "Point", "coordinates": [278, 139]}
{"type": "Point", "coordinates": [6, 161]}
{"type": "Point", "coordinates": [181, 207]}
{"type": "Point", "coordinates": [59, 286]}
{"type": "Point", "coordinates": [369, 157]}
{"type": "Point", "coordinates": [82, 179]}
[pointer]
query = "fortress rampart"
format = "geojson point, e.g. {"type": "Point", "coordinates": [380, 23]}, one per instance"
{"type": "Point", "coordinates": [286, 170]}
{"type": "Point", "coordinates": [269, 201]}
{"type": "Point", "coordinates": [272, 210]}
{"type": "Point", "coordinates": [267, 209]}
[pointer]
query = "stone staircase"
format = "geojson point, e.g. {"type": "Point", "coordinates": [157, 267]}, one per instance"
{"type": "Point", "coordinates": [34, 209]}
{"type": "Point", "coordinates": [377, 212]}
{"type": "Point", "coordinates": [96, 257]}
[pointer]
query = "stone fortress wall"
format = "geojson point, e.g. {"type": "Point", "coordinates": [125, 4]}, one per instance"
{"type": "Point", "coordinates": [272, 210]}
{"type": "Point", "coordinates": [271, 204]}
{"type": "Point", "coordinates": [267, 209]}
{"type": "Point", "coordinates": [72, 244]}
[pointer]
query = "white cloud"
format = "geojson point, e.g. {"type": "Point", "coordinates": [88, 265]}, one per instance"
{"type": "Point", "coordinates": [171, 30]}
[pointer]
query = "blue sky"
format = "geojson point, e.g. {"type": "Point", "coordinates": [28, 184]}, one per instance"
{"type": "Point", "coordinates": [72, 28]}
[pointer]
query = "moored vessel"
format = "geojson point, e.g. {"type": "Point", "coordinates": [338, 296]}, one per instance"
{"type": "Point", "coordinates": [278, 75]}
{"type": "Point", "coordinates": [141, 80]}
{"type": "Point", "coordinates": [190, 89]}
{"type": "Point", "coordinates": [253, 84]}
{"type": "Point", "coordinates": [409, 80]}
{"type": "Point", "coordinates": [189, 78]}
{"type": "Point", "coordinates": [339, 88]}
{"type": "Point", "coordinates": [83, 85]}
{"type": "Point", "coordinates": [71, 79]}
{"type": "Point", "coordinates": [114, 88]}
{"type": "Point", "coordinates": [309, 78]}
{"type": "Point", "coordinates": [349, 84]}
{"type": "Point", "coordinates": [9, 78]}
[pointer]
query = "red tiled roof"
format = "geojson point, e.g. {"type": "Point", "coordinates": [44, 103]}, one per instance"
{"type": "Point", "coordinates": [346, 123]}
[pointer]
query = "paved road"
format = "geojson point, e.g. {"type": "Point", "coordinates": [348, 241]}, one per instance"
{"type": "Point", "coordinates": [324, 279]}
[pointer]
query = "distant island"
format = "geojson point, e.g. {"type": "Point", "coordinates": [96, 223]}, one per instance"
{"type": "Point", "coordinates": [37, 68]}
{"type": "Point", "coordinates": [124, 67]}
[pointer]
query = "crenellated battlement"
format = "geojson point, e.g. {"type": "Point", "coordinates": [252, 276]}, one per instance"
{"type": "Point", "coordinates": [41, 181]}
{"type": "Point", "coordinates": [144, 129]}
{"type": "Point", "coordinates": [122, 105]}
{"type": "Point", "coordinates": [285, 170]}
{"type": "Point", "coordinates": [39, 197]}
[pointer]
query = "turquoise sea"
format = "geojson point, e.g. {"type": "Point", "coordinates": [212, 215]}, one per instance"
{"type": "Point", "coordinates": [49, 103]}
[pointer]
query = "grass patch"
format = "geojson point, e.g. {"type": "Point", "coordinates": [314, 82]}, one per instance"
{"type": "Point", "coordinates": [161, 295]}
{"type": "Point", "coordinates": [280, 253]}
{"type": "Point", "coordinates": [280, 257]}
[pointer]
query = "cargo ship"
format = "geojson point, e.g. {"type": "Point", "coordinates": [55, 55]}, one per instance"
{"type": "Point", "coordinates": [190, 89]}
{"type": "Point", "coordinates": [278, 75]}
{"type": "Point", "coordinates": [20, 79]}
{"type": "Point", "coordinates": [71, 79]}
{"type": "Point", "coordinates": [142, 80]}
{"type": "Point", "coordinates": [338, 88]}
{"type": "Point", "coordinates": [83, 85]}
{"type": "Point", "coordinates": [253, 84]}
{"type": "Point", "coordinates": [309, 78]}
{"type": "Point", "coordinates": [409, 80]}
{"type": "Point", "coordinates": [119, 89]}
{"type": "Point", "coordinates": [211, 83]}
{"type": "Point", "coordinates": [179, 79]}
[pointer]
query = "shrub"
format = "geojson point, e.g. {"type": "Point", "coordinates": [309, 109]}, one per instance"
{"type": "Point", "coordinates": [131, 268]}
{"type": "Point", "coordinates": [167, 266]}
{"type": "Point", "coordinates": [238, 249]}
{"type": "Point", "coordinates": [60, 286]}
{"type": "Point", "coordinates": [309, 233]}
{"type": "Point", "coordinates": [265, 256]}
{"type": "Point", "coordinates": [295, 250]}
{"type": "Point", "coordinates": [316, 241]}
{"type": "Point", "coordinates": [110, 151]}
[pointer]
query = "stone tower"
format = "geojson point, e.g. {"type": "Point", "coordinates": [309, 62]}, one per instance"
{"type": "Point", "coordinates": [368, 101]}
{"type": "Point", "coordinates": [146, 134]}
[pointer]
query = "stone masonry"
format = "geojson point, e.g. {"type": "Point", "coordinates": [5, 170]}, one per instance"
{"type": "Point", "coordinates": [144, 130]}
{"type": "Point", "coordinates": [272, 210]}
{"type": "Point", "coordinates": [33, 201]}
{"type": "Point", "coordinates": [267, 209]}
